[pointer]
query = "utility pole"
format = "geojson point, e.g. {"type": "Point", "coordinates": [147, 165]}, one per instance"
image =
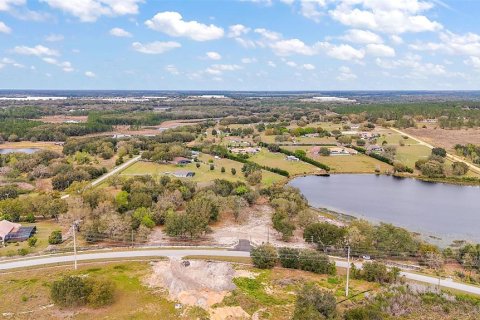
{"type": "Point", "coordinates": [132, 238]}
{"type": "Point", "coordinates": [348, 271]}
{"type": "Point", "coordinates": [268, 234]}
{"type": "Point", "coordinates": [74, 226]}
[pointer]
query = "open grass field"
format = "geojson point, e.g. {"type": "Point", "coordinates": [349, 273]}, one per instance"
{"type": "Point", "coordinates": [347, 164]}
{"type": "Point", "coordinates": [410, 154]}
{"type": "Point", "coordinates": [44, 229]}
{"type": "Point", "coordinates": [277, 160]}
{"type": "Point", "coordinates": [202, 174]}
{"type": "Point", "coordinates": [26, 294]}
{"type": "Point", "coordinates": [445, 138]}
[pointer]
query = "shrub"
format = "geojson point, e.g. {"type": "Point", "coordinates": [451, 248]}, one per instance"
{"type": "Point", "coordinates": [234, 171]}
{"type": "Point", "coordinates": [101, 292]}
{"type": "Point", "coordinates": [316, 262]}
{"type": "Point", "coordinates": [70, 291]}
{"type": "Point", "coordinates": [32, 241]}
{"type": "Point", "coordinates": [314, 304]}
{"type": "Point", "coordinates": [55, 237]}
{"type": "Point", "coordinates": [264, 256]}
{"type": "Point", "coordinates": [289, 257]}
{"type": "Point", "coordinates": [30, 218]}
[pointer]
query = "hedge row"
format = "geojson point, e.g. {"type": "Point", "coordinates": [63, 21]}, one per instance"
{"type": "Point", "coordinates": [372, 154]}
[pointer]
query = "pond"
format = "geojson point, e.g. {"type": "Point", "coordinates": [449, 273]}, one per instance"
{"type": "Point", "coordinates": [21, 150]}
{"type": "Point", "coordinates": [450, 212]}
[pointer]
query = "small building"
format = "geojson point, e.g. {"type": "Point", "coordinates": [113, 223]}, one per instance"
{"type": "Point", "coordinates": [183, 174]}
{"type": "Point", "coordinates": [14, 232]}
{"type": "Point", "coordinates": [120, 136]}
{"type": "Point", "coordinates": [292, 158]}
{"type": "Point", "coordinates": [71, 121]}
{"type": "Point", "coordinates": [181, 161]}
{"type": "Point", "coordinates": [341, 151]}
{"type": "Point", "coordinates": [249, 150]}
{"type": "Point", "coordinates": [311, 135]}
{"type": "Point", "coordinates": [374, 148]}
{"type": "Point", "coordinates": [368, 135]}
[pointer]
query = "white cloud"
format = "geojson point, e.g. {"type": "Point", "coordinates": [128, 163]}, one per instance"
{"type": "Point", "coordinates": [291, 64]}
{"type": "Point", "coordinates": [396, 39]}
{"type": "Point", "coordinates": [308, 66]}
{"type": "Point", "coordinates": [246, 43]}
{"type": "Point", "coordinates": [362, 36]}
{"type": "Point", "coordinates": [91, 10]}
{"type": "Point", "coordinates": [467, 44]}
{"type": "Point", "coordinates": [292, 46]}
{"type": "Point", "coordinates": [237, 30]}
{"type": "Point", "coordinates": [272, 64]}
{"type": "Point", "coordinates": [38, 51]}
{"type": "Point", "coordinates": [8, 61]}
{"type": "Point", "coordinates": [474, 62]}
{"type": "Point", "coordinates": [54, 37]}
{"type": "Point", "coordinates": [249, 60]}
{"type": "Point", "coordinates": [218, 69]}
{"type": "Point", "coordinates": [7, 5]}
{"type": "Point", "coordinates": [172, 23]}
{"type": "Point", "coordinates": [172, 69]}
{"type": "Point", "coordinates": [268, 34]}
{"type": "Point", "coordinates": [4, 28]}
{"type": "Point", "coordinates": [380, 50]}
{"type": "Point", "coordinates": [156, 47]}
{"type": "Point", "coordinates": [343, 52]}
{"type": "Point", "coordinates": [213, 55]}
{"type": "Point", "coordinates": [119, 32]}
{"type": "Point", "coordinates": [90, 74]}
{"type": "Point", "coordinates": [65, 65]}
{"type": "Point", "coordinates": [394, 17]}
{"type": "Point", "coordinates": [312, 9]}
{"type": "Point", "coordinates": [417, 69]}
{"type": "Point", "coordinates": [345, 74]}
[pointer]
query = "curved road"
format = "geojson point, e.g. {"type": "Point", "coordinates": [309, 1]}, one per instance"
{"type": "Point", "coordinates": [179, 253]}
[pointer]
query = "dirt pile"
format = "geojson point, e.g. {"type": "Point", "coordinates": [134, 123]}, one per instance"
{"type": "Point", "coordinates": [200, 283]}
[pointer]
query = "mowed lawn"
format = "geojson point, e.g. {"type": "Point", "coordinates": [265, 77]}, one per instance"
{"type": "Point", "coordinates": [203, 173]}
{"type": "Point", "coordinates": [44, 229]}
{"type": "Point", "coordinates": [408, 155]}
{"type": "Point", "coordinates": [277, 160]}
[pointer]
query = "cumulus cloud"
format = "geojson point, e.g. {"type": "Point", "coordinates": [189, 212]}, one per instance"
{"type": "Point", "coordinates": [91, 10]}
{"type": "Point", "coordinates": [7, 5]}
{"type": "Point", "coordinates": [119, 32]}
{"type": "Point", "coordinates": [38, 51]}
{"type": "Point", "coordinates": [380, 50]}
{"type": "Point", "coordinates": [343, 51]}
{"type": "Point", "coordinates": [456, 44]}
{"type": "Point", "coordinates": [394, 17]}
{"type": "Point", "coordinates": [248, 60]}
{"type": "Point", "coordinates": [362, 36]}
{"type": "Point", "coordinates": [413, 66]}
{"type": "Point", "coordinates": [213, 55]}
{"type": "Point", "coordinates": [474, 62]}
{"type": "Point", "coordinates": [156, 47]}
{"type": "Point", "coordinates": [237, 30]}
{"type": "Point", "coordinates": [90, 74]}
{"type": "Point", "coordinates": [345, 74]}
{"type": "Point", "coordinates": [308, 66]}
{"type": "Point", "coordinates": [292, 46]}
{"type": "Point", "coordinates": [312, 9]}
{"type": "Point", "coordinates": [64, 65]}
{"type": "Point", "coordinates": [8, 61]}
{"type": "Point", "coordinates": [272, 64]}
{"type": "Point", "coordinates": [172, 23]}
{"type": "Point", "coordinates": [4, 28]}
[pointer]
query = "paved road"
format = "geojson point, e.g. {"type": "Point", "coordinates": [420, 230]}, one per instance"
{"type": "Point", "coordinates": [179, 253]}
{"type": "Point", "coordinates": [107, 175]}
{"type": "Point", "coordinates": [449, 156]}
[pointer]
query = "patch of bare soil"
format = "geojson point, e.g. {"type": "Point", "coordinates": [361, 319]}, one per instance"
{"type": "Point", "coordinates": [63, 118]}
{"type": "Point", "coordinates": [198, 283]}
{"type": "Point", "coordinates": [445, 138]}
{"type": "Point", "coordinates": [228, 313]}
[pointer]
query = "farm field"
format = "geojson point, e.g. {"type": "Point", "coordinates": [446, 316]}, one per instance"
{"type": "Point", "coordinates": [202, 174]}
{"type": "Point", "coordinates": [28, 144]}
{"type": "Point", "coordinates": [445, 138]}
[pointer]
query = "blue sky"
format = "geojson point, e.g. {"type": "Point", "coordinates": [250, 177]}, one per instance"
{"type": "Point", "coordinates": [240, 45]}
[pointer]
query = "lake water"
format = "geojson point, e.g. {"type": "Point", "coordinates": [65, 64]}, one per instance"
{"type": "Point", "coordinates": [450, 212]}
{"type": "Point", "coordinates": [21, 150]}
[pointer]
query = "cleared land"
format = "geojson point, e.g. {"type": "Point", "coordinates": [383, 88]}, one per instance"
{"type": "Point", "coordinates": [256, 293]}
{"type": "Point", "coordinates": [28, 144]}
{"type": "Point", "coordinates": [445, 138]}
{"type": "Point", "coordinates": [203, 174]}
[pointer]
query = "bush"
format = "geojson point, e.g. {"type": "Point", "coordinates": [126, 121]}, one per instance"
{"type": "Point", "coordinates": [74, 291]}
{"type": "Point", "coordinates": [316, 262]}
{"type": "Point", "coordinates": [30, 218]}
{"type": "Point", "coordinates": [101, 294]}
{"type": "Point", "coordinates": [324, 234]}
{"type": "Point", "coordinates": [363, 313]}
{"type": "Point", "coordinates": [55, 237]}
{"type": "Point", "coordinates": [70, 291]}
{"type": "Point", "coordinates": [32, 242]}
{"type": "Point", "coordinates": [289, 258]}
{"type": "Point", "coordinates": [314, 304]}
{"type": "Point", "coordinates": [264, 256]}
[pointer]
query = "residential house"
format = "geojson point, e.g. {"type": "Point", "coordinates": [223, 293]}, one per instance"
{"type": "Point", "coordinates": [10, 231]}
{"type": "Point", "coordinates": [292, 158]}
{"type": "Point", "coordinates": [248, 150]}
{"type": "Point", "coordinates": [341, 151]}
{"type": "Point", "coordinates": [180, 161]}
{"type": "Point", "coordinates": [374, 148]}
